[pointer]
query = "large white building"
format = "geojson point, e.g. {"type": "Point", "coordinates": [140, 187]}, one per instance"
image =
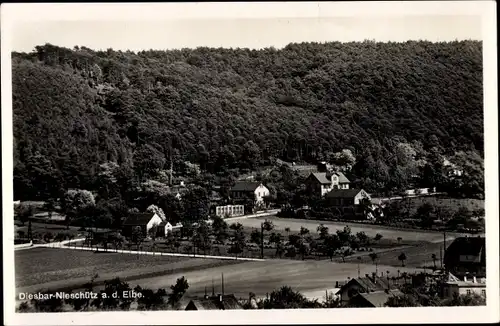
{"type": "Point", "coordinates": [230, 210]}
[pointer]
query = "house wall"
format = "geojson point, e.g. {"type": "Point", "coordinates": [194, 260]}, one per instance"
{"type": "Point", "coordinates": [362, 194]}
{"type": "Point", "coordinates": [325, 189]}
{"type": "Point", "coordinates": [154, 220]}
{"type": "Point", "coordinates": [349, 291]}
{"type": "Point", "coordinates": [314, 187]}
{"type": "Point", "coordinates": [240, 194]}
{"type": "Point", "coordinates": [168, 228]}
{"type": "Point", "coordinates": [451, 290]}
{"type": "Point", "coordinates": [127, 230]}
{"type": "Point", "coordinates": [260, 193]}
{"type": "Point", "coordinates": [344, 186]}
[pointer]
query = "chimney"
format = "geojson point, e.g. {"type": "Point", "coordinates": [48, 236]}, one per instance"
{"type": "Point", "coordinates": [465, 278]}
{"type": "Point", "coordinates": [474, 279]}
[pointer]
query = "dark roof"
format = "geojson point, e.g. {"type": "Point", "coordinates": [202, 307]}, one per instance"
{"type": "Point", "coordinates": [370, 284]}
{"type": "Point", "coordinates": [465, 246]}
{"type": "Point", "coordinates": [245, 186]}
{"type": "Point", "coordinates": [139, 218]}
{"type": "Point", "coordinates": [321, 177]}
{"type": "Point", "coordinates": [343, 193]}
{"type": "Point", "coordinates": [228, 302]}
{"type": "Point", "coordinates": [374, 299]}
{"type": "Point", "coordinates": [326, 177]}
{"type": "Point", "coordinates": [342, 177]}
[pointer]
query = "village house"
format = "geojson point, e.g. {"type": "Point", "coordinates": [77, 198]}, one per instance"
{"type": "Point", "coordinates": [321, 183]}
{"type": "Point", "coordinates": [454, 286]}
{"type": "Point", "coordinates": [164, 228]}
{"type": "Point", "coordinates": [178, 190]}
{"type": "Point", "coordinates": [466, 256]}
{"type": "Point", "coordinates": [367, 284]}
{"type": "Point", "coordinates": [349, 203]}
{"type": "Point", "coordinates": [373, 299]}
{"type": "Point", "coordinates": [214, 302]}
{"type": "Point", "coordinates": [452, 169]}
{"type": "Point", "coordinates": [143, 220]}
{"type": "Point", "coordinates": [253, 190]}
{"type": "Point", "coordinates": [215, 198]}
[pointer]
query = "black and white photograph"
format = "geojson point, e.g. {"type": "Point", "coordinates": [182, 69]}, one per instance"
{"type": "Point", "coordinates": [324, 158]}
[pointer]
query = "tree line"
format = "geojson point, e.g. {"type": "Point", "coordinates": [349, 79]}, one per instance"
{"type": "Point", "coordinates": [399, 108]}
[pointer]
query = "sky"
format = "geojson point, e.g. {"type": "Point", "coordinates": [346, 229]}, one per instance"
{"type": "Point", "coordinates": [257, 33]}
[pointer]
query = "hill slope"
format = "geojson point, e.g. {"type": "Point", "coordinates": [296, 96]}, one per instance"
{"type": "Point", "coordinates": [237, 108]}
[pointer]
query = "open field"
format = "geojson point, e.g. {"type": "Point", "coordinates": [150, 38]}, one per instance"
{"type": "Point", "coordinates": [417, 256]}
{"type": "Point", "coordinates": [264, 277]}
{"type": "Point", "coordinates": [42, 268]}
{"type": "Point", "coordinates": [370, 230]}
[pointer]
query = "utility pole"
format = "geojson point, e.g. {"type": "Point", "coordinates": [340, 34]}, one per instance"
{"type": "Point", "coordinates": [444, 248]}
{"type": "Point", "coordinates": [441, 256]}
{"type": "Point", "coordinates": [30, 232]}
{"type": "Point", "coordinates": [262, 240]}
{"type": "Point", "coordinates": [444, 239]}
{"type": "Point", "coordinates": [222, 284]}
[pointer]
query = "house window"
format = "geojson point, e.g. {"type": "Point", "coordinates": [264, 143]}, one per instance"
{"type": "Point", "coordinates": [483, 292]}
{"type": "Point", "coordinates": [469, 292]}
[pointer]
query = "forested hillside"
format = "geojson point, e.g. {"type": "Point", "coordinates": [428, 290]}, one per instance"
{"type": "Point", "coordinates": [398, 107]}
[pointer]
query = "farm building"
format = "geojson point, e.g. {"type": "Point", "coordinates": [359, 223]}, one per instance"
{"type": "Point", "coordinates": [143, 220]}
{"type": "Point", "coordinates": [322, 183]}
{"type": "Point", "coordinates": [373, 299]}
{"type": "Point", "coordinates": [350, 203]}
{"type": "Point", "coordinates": [164, 228]}
{"type": "Point", "coordinates": [244, 189]}
{"type": "Point", "coordinates": [214, 302]}
{"type": "Point", "coordinates": [367, 284]}
{"type": "Point", "coordinates": [466, 256]}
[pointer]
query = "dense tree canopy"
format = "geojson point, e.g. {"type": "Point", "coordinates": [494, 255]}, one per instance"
{"type": "Point", "coordinates": [88, 119]}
